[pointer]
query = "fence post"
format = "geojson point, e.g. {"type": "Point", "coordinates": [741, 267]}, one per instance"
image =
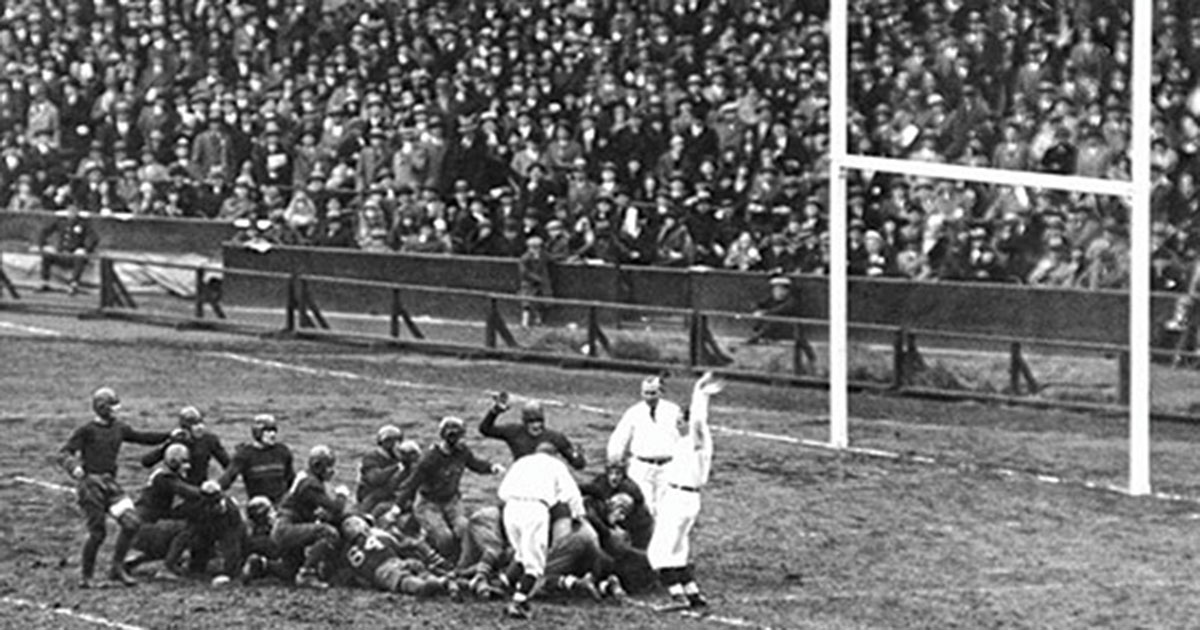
{"type": "Point", "coordinates": [592, 326]}
{"type": "Point", "coordinates": [1014, 368]}
{"type": "Point", "coordinates": [290, 320]}
{"type": "Point", "coordinates": [694, 339]}
{"type": "Point", "coordinates": [200, 293]}
{"type": "Point", "coordinates": [489, 329]}
{"type": "Point", "coordinates": [898, 362]}
{"type": "Point", "coordinates": [1123, 377]}
{"type": "Point", "coordinates": [106, 283]}
{"type": "Point", "coordinates": [395, 323]}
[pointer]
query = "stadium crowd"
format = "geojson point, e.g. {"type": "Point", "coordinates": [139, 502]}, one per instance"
{"type": "Point", "coordinates": [661, 132]}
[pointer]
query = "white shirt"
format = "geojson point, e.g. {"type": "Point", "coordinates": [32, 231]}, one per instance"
{"type": "Point", "coordinates": [541, 477]}
{"type": "Point", "coordinates": [692, 457]}
{"type": "Point", "coordinates": [640, 435]}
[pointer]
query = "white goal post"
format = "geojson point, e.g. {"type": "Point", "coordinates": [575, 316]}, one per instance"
{"type": "Point", "coordinates": [1137, 191]}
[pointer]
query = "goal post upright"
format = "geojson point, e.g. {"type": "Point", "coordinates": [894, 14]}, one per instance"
{"type": "Point", "coordinates": [839, 405]}
{"type": "Point", "coordinates": [1137, 191]}
{"type": "Point", "coordinates": [1139, 251]}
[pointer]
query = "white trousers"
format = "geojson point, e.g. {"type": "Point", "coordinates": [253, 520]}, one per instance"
{"type": "Point", "coordinates": [527, 525]}
{"type": "Point", "coordinates": [649, 479]}
{"type": "Point", "coordinates": [677, 514]}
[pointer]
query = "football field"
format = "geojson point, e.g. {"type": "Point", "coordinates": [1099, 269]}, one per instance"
{"type": "Point", "coordinates": [948, 515]}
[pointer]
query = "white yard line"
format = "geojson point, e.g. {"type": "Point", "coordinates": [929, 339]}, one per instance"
{"type": "Point", "coordinates": [33, 330]}
{"type": "Point", "coordinates": [67, 612]}
{"type": "Point", "coordinates": [816, 594]}
{"type": "Point", "coordinates": [43, 484]}
{"type": "Point", "coordinates": [735, 622]}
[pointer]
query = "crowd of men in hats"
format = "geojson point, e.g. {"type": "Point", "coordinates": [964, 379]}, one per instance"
{"type": "Point", "coordinates": [691, 132]}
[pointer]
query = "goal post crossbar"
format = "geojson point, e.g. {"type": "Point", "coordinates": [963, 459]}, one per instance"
{"type": "Point", "coordinates": [984, 175]}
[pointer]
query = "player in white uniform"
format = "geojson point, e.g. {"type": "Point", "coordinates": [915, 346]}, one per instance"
{"type": "Point", "coordinates": [646, 436]}
{"type": "Point", "coordinates": [533, 484]}
{"type": "Point", "coordinates": [679, 504]}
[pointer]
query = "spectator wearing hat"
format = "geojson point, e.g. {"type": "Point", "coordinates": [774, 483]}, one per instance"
{"type": "Point", "coordinates": [674, 245]}
{"type": "Point", "coordinates": [782, 302]}
{"type": "Point", "coordinates": [983, 262]}
{"type": "Point", "coordinates": [241, 204]}
{"type": "Point", "coordinates": [433, 141]}
{"type": "Point", "coordinates": [538, 194]}
{"type": "Point", "coordinates": [410, 162]}
{"type": "Point", "coordinates": [25, 199]}
{"type": "Point", "coordinates": [743, 254]}
{"type": "Point", "coordinates": [271, 160]}
{"type": "Point", "coordinates": [42, 116]}
{"type": "Point", "coordinates": [335, 228]}
{"type": "Point", "coordinates": [304, 209]}
{"type": "Point", "coordinates": [468, 158]}
{"type": "Point", "coordinates": [562, 153]}
{"type": "Point", "coordinates": [212, 150]}
{"type": "Point", "coordinates": [372, 231]}
{"type": "Point", "coordinates": [557, 246]}
{"type": "Point", "coordinates": [65, 242]}
{"type": "Point", "coordinates": [533, 268]}
{"type": "Point", "coordinates": [373, 159]}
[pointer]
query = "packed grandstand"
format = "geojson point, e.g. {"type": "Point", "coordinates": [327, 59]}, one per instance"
{"type": "Point", "coordinates": [661, 132]}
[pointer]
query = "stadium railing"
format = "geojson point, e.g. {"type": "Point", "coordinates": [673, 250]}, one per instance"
{"type": "Point", "coordinates": [603, 334]}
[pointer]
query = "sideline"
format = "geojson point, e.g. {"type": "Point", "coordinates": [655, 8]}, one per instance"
{"type": "Point", "coordinates": [18, 602]}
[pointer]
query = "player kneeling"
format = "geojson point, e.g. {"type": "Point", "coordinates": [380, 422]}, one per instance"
{"type": "Point", "coordinates": [373, 559]}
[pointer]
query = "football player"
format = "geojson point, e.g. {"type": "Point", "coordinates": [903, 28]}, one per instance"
{"type": "Point", "coordinates": [385, 468]}
{"type": "Point", "coordinates": [203, 447]}
{"type": "Point", "coordinates": [305, 514]}
{"type": "Point", "coordinates": [90, 457]}
{"type": "Point", "coordinates": [161, 498]}
{"type": "Point", "coordinates": [435, 486]}
{"type": "Point", "coordinates": [374, 559]}
{"type": "Point", "coordinates": [265, 464]}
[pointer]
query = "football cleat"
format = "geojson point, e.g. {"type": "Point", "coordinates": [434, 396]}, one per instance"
{"type": "Point", "coordinates": [255, 567]}
{"type": "Point", "coordinates": [677, 603]}
{"type": "Point", "coordinates": [587, 586]}
{"type": "Point", "coordinates": [307, 578]}
{"type": "Point", "coordinates": [118, 575]}
{"type": "Point", "coordinates": [167, 575]}
{"type": "Point", "coordinates": [697, 600]}
{"type": "Point", "coordinates": [517, 610]}
{"type": "Point", "coordinates": [611, 587]}
{"type": "Point", "coordinates": [454, 591]}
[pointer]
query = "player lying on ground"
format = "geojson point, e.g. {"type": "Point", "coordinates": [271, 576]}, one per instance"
{"type": "Point", "coordinates": [371, 557]}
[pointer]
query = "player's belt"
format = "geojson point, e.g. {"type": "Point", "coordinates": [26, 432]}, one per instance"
{"type": "Point", "coordinates": [685, 488]}
{"type": "Point", "coordinates": [654, 461]}
{"type": "Point", "coordinates": [527, 500]}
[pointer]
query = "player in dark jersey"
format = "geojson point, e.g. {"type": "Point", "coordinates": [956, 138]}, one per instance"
{"type": "Point", "coordinates": [305, 514]}
{"type": "Point", "coordinates": [203, 447]}
{"type": "Point", "coordinates": [90, 457]}
{"type": "Point", "coordinates": [262, 557]}
{"type": "Point", "coordinates": [522, 439]}
{"type": "Point", "coordinates": [435, 485]}
{"type": "Point", "coordinates": [162, 497]}
{"type": "Point", "coordinates": [265, 465]}
{"type": "Point", "coordinates": [373, 558]}
{"type": "Point", "coordinates": [385, 468]}
{"type": "Point", "coordinates": [636, 521]}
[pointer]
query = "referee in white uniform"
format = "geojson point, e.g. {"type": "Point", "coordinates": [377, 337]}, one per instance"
{"type": "Point", "coordinates": [679, 505]}
{"type": "Point", "coordinates": [645, 436]}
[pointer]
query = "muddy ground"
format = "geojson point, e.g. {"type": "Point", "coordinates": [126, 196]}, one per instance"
{"type": "Point", "coordinates": [958, 532]}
